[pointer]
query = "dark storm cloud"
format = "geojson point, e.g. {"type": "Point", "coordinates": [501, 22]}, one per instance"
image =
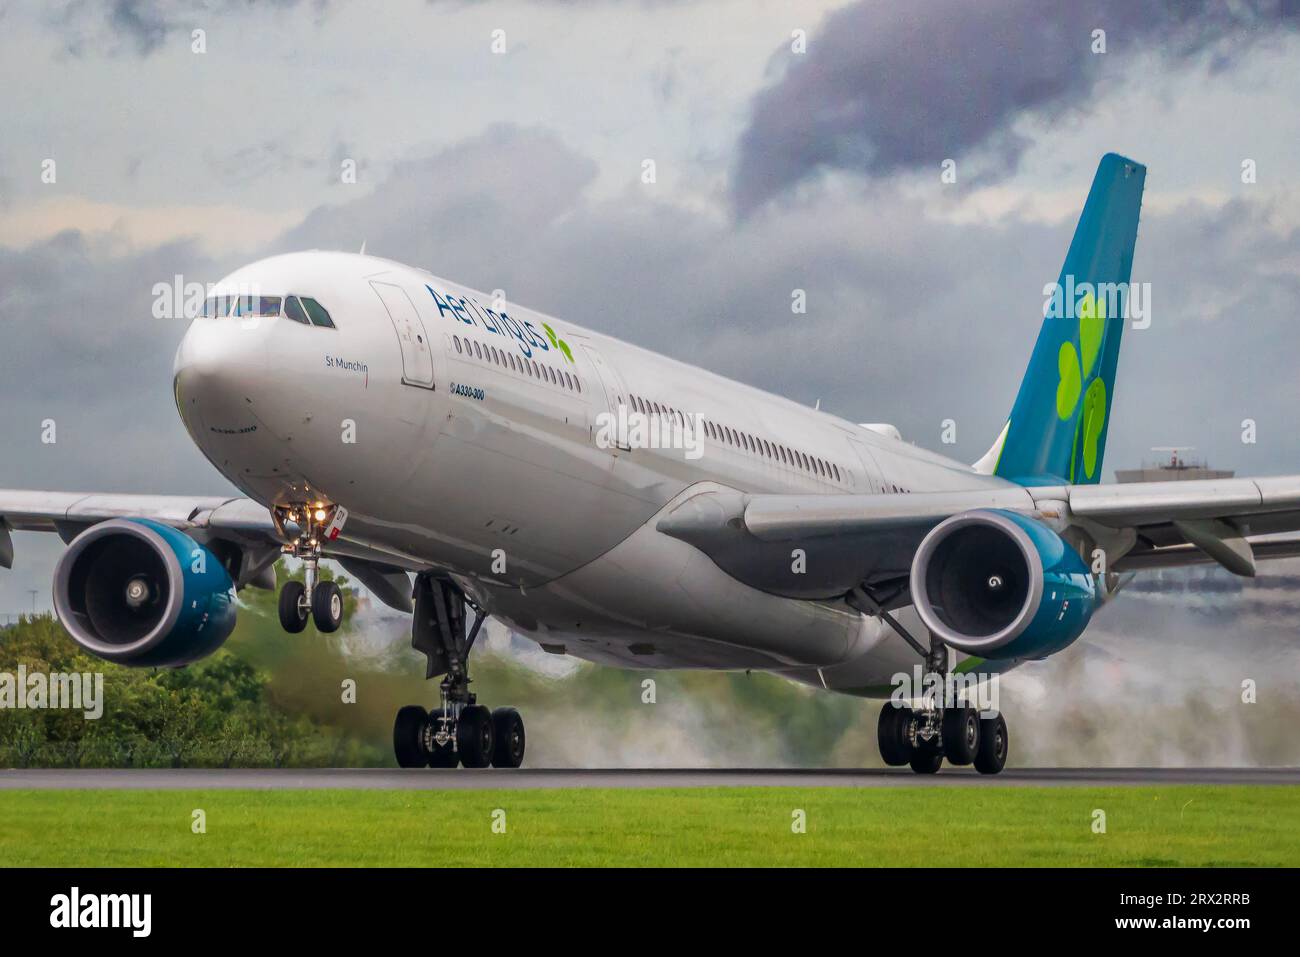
{"type": "Point", "coordinates": [81, 347]}
{"type": "Point", "coordinates": [885, 87]}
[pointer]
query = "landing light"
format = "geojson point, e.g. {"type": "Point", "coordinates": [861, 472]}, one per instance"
{"type": "Point", "coordinates": [320, 514]}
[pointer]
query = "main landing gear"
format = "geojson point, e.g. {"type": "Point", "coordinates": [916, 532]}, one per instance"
{"type": "Point", "coordinates": [316, 599]}
{"type": "Point", "coordinates": [923, 737]}
{"type": "Point", "coordinates": [460, 731]}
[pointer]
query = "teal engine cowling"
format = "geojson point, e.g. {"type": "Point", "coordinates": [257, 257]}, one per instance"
{"type": "Point", "coordinates": [997, 584]}
{"type": "Point", "coordinates": [140, 593]}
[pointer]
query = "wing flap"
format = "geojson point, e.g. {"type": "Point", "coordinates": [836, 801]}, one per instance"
{"type": "Point", "coordinates": [1150, 503]}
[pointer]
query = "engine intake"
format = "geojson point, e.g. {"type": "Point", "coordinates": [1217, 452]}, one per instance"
{"type": "Point", "coordinates": [997, 584]}
{"type": "Point", "coordinates": [141, 593]}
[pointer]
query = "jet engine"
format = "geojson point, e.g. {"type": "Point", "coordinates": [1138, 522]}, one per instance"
{"type": "Point", "coordinates": [996, 584]}
{"type": "Point", "coordinates": [140, 593]}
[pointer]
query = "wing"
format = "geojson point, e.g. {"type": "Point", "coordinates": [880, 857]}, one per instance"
{"type": "Point", "coordinates": [239, 523]}
{"type": "Point", "coordinates": [849, 540]}
{"type": "Point", "coordinates": [246, 538]}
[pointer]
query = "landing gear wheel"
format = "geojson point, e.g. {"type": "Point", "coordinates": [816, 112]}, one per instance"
{"type": "Point", "coordinates": [326, 607]}
{"type": "Point", "coordinates": [961, 734]}
{"type": "Point", "coordinates": [474, 737]}
{"type": "Point", "coordinates": [926, 758]}
{"type": "Point", "coordinates": [994, 743]}
{"type": "Point", "coordinates": [891, 734]}
{"type": "Point", "coordinates": [508, 732]}
{"type": "Point", "coordinates": [442, 755]}
{"type": "Point", "coordinates": [293, 610]}
{"type": "Point", "coordinates": [408, 734]}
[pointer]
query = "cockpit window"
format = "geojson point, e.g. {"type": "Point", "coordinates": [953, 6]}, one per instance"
{"type": "Point", "coordinates": [216, 307]}
{"type": "Point", "coordinates": [264, 306]}
{"type": "Point", "coordinates": [293, 310]}
{"type": "Point", "coordinates": [319, 316]}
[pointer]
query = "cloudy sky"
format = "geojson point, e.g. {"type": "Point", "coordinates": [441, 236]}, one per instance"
{"type": "Point", "coordinates": [780, 165]}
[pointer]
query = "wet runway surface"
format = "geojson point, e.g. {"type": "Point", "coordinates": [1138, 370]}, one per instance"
{"type": "Point", "coordinates": [378, 778]}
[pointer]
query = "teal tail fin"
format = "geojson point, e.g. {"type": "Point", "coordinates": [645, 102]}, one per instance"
{"type": "Point", "coordinates": [1057, 430]}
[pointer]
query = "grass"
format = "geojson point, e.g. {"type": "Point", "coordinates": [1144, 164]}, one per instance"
{"type": "Point", "coordinates": [1145, 826]}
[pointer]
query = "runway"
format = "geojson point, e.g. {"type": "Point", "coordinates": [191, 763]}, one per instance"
{"type": "Point", "coordinates": [381, 778]}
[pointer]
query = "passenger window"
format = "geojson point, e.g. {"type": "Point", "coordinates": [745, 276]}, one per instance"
{"type": "Point", "coordinates": [319, 317]}
{"type": "Point", "coordinates": [293, 310]}
{"type": "Point", "coordinates": [456, 339]}
{"type": "Point", "coordinates": [477, 351]}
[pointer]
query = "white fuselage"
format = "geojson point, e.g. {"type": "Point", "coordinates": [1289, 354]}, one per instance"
{"type": "Point", "coordinates": [459, 436]}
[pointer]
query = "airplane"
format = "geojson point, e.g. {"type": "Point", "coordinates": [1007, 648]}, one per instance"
{"type": "Point", "coordinates": [465, 457]}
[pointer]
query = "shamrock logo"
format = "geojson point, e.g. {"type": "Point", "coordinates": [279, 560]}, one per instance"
{"type": "Point", "coordinates": [557, 342]}
{"type": "Point", "coordinates": [1075, 368]}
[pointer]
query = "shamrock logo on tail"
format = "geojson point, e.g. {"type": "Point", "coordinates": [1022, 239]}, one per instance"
{"type": "Point", "coordinates": [557, 342]}
{"type": "Point", "coordinates": [1074, 370]}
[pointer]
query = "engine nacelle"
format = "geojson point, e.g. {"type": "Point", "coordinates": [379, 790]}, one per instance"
{"type": "Point", "coordinates": [997, 584]}
{"type": "Point", "coordinates": [141, 593]}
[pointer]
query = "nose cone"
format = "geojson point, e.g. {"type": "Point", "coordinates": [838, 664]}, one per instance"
{"type": "Point", "coordinates": [219, 366]}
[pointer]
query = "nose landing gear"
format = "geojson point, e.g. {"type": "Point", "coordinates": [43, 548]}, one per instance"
{"type": "Point", "coordinates": [318, 600]}
{"type": "Point", "coordinates": [461, 731]}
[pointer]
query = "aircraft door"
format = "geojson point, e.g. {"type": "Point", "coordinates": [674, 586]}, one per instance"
{"type": "Point", "coordinates": [417, 356]}
{"type": "Point", "coordinates": [614, 394]}
{"type": "Point", "coordinates": [874, 481]}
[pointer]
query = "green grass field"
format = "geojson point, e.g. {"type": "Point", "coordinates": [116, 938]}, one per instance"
{"type": "Point", "coordinates": [1148, 826]}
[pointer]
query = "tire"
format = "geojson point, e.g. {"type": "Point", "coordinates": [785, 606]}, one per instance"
{"type": "Point", "coordinates": [474, 737]}
{"type": "Point", "coordinates": [408, 737]}
{"type": "Point", "coordinates": [293, 617]}
{"type": "Point", "coordinates": [995, 743]}
{"type": "Point", "coordinates": [961, 734]}
{"type": "Point", "coordinates": [442, 755]}
{"type": "Point", "coordinates": [508, 735]}
{"type": "Point", "coordinates": [326, 607]}
{"type": "Point", "coordinates": [926, 759]}
{"type": "Point", "coordinates": [895, 749]}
